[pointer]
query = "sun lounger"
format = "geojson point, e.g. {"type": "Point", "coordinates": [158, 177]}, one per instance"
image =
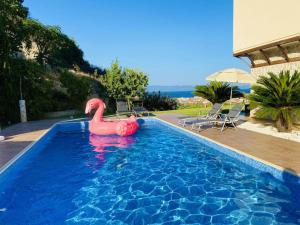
{"type": "Point", "coordinates": [212, 114]}
{"type": "Point", "coordinates": [122, 108]}
{"type": "Point", "coordinates": [227, 119]}
{"type": "Point", "coordinates": [139, 109]}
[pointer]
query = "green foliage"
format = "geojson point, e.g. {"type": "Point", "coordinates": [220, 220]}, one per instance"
{"type": "Point", "coordinates": [78, 88]}
{"type": "Point", "coordinates": [155, 102]}
{"type": "Point", "coordinates": [112, 80]}
{"type": "Point", "coordinates": [46, 39]}
{"type": "Point", "coordinates": [12, 14]}
{"type": "Point", "coordinates": [217, 92]}
{"type": "Point", "coordinates": [53, 47]}
{"type": "Point", "coordinates": [67, 54]}
{"type": "Point", "coordinates": [55, 50]}
{"type": "Point", "coordinates": [134, 84]}
{"type": "Point", "coordinates": [35, 90]}
{"type": "Point", "coordinates": [124, 83]}
{"type": "Point", "coordinates": [278, 96]}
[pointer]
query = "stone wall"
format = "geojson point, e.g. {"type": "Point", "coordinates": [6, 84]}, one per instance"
{"type": "Point", "coordinates": [292, 66]}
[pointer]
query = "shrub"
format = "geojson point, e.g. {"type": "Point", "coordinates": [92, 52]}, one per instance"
{"type": "Point", "coordinates": [278, 96]}
{"type": "Point", "coordinates": [78, 88]}
{"type": "Point", "coordinates": [156, 102]}
{"type": "Point", "coordinates": [217, 92]}
{"type": "Point", "coordinates": [36, 89]}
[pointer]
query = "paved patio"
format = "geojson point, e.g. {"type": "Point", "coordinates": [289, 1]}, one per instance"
{"type": "Point", "coordinates": [281, 153]}
{"type": "Point", "coordinates": [19, 136]}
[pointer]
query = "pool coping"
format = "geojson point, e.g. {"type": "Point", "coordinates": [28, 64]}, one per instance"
{"type": "Point", "coordinates": [275, 168]}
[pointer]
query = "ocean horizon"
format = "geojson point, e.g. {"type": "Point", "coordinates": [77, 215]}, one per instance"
{"type": "Point", "coordinates": [187, 94]}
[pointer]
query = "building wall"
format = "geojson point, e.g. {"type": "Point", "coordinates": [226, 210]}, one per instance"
{"type": "Point", "coordinates": [260, 71]}
{"type": "Point", "coordinates": [260, 22]}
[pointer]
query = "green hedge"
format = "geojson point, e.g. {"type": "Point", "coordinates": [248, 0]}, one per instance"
{"type": "Point", "coordinates": [156, 102]}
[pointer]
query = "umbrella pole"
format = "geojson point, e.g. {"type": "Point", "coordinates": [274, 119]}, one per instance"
{"type": "Point", "coordinates": [230, 95]}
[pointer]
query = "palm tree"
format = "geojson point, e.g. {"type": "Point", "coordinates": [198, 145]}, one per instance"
{"type": "Point", "coordinates": [278, 96]}
{"type": "Point", "coordinates": [216, 92]}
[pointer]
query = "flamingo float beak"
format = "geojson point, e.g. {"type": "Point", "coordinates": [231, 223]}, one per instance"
{"type": "Point", "coordinates": [87, 109]}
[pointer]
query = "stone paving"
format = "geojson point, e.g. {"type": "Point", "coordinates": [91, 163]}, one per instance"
{"type": "Point", "coordinates": [19, 136]}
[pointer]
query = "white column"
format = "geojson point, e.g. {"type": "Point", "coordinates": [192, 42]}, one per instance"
{"type": "Point", "coordinates": [23, 113]}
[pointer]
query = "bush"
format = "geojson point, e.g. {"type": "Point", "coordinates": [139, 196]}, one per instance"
{"type": "Point", "coordinates": [155, 102]}
{"type": "Point", "coordinates": [36, 89]}
{"type": "Point", "coordinates": [78, 89]}
{"type": "Point", "coordinates": [278, 96]}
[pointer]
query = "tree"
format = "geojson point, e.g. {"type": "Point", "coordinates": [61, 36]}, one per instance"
{"type": "Point", "coordinates": [12, 14]}
{"type": "Point", "coordinates": [46, 38]}
{"type": "Point", "coordinates": [134, 84]}
{"type": "Point", "coordinates": [39, 84]}
{"type": "Point", "coordinates": [66, 53]}
{"type": "Point", "coordinates": [217, 92]}
{"type": "Point", "coordinates": [55, 48]}
{"type": "Point", "coordinates": [278, 96]}
{"type": "Point", "coordinates": [112, 80]}
{"type": "Point", "coordinates": [124, 83]}
{"type": "Point", "coordinates": [36, 87]}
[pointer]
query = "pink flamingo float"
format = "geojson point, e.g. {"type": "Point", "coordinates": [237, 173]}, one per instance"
{"type": "Point", "coordinates": [99, 126]}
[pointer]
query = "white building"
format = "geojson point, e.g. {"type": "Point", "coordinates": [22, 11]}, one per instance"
{"type": "Point", "coordinates": [267, 32]}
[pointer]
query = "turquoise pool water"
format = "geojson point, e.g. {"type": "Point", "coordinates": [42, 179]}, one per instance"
{"type": "Point", "coordinates": [158, 176]}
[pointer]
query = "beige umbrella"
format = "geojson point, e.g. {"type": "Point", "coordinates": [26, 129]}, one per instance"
{"type": "Point", "coordinates": [232, 75]}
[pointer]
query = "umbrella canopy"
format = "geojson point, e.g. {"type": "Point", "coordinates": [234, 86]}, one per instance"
{"type": "Point", "coordinates": [232, 75]}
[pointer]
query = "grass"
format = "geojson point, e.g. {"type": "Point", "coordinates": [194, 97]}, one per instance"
{"type": "Point", "coordinates": [191, 111]}
{"type": "Point", "coordinates": [184, 111]}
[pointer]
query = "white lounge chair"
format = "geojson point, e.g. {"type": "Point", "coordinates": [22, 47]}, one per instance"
{"type": "Point", "coordinates": [212, 114]}
{"type": "Point", "coordinates": [227, 119]}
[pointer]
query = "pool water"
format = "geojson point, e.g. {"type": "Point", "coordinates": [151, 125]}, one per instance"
{"type": "Point", "coordinates": [158, 176]}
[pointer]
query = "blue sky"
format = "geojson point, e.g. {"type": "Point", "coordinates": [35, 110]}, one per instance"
{"type": "Point", "coordinates": [176, 42]}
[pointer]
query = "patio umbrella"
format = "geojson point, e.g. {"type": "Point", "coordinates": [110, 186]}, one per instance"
{"type": "Point", "coordinates": [232, 75]}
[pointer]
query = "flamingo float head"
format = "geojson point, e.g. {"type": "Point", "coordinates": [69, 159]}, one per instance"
{"type": "Point", "coordinates": [93, 104]}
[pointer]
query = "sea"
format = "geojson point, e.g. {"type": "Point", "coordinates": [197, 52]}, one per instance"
{"type": "Point", "coordinates": [189, 94]}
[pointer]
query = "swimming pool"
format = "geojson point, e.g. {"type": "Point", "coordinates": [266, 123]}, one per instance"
{"type": "Point", "coordinates": [161, 175]}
